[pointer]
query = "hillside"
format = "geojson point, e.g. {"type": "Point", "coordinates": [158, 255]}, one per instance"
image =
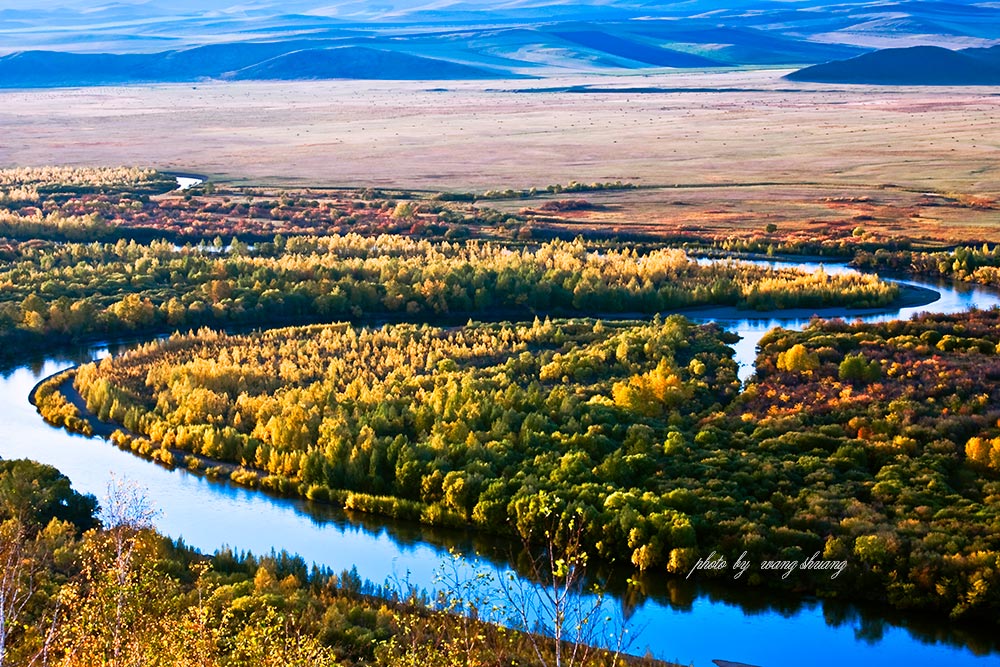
{"type": "Point", "coordinates": [89, 43]}
{"type": "Point", "coordinates": [914, 66]}
{"type": "Point", "coordinates": [356, 62]}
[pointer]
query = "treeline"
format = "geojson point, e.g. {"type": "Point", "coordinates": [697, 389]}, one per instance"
{"type": "Point", "coordinates": [58, 291]}
{"type": "Point", "coordinates": [556, 188]}
{"type": "Point", "coordinates": [71, 204]}
{"type": "Point", "coordinates": [970, 264]}
{"type": "Point", "coordinates": [32, 184]}
{"type": "Point", "coordinates": [135, 216]}
{"type": "Point", "coordinates": [876, 444]}
{"type": "Point", "coordinates": [55, 226]}
{"type": "Point", "coordinates": [83, 587]}
{"type": "Point", "coordinates": [52, 404]}
{"type": "Point", "coordinates": [770, 243]}
{"type": "Point", "coordinates": [486, 424]}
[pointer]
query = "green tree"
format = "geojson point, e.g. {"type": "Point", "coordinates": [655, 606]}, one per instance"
{"type": "Point", "coordinates": [855, 368]}
{"type": "Point", "coordinates": [404, 211]}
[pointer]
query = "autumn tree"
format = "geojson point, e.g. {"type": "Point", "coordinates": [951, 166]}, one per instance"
{"type": "Point", "coordinates": [798, 359]}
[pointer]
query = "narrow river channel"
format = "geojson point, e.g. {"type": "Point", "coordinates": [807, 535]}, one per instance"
{"type": "Point", "coordinates": [674, 619]}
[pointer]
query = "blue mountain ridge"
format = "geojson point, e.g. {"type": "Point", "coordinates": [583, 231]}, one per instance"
{"type": "Point", "coordinates": [918, 65]}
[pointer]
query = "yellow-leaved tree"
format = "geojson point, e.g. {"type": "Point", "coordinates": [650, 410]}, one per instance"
{"type": "Point", "coordinates": [652, 393]}
{"type": "Point", "coordinates": [798, 359]}
{"type": "Point", "coordinates": [984, 451]}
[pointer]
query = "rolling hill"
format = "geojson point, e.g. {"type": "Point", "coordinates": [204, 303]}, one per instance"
{"type": "Point", "coordinates": [278, 61]}
{"type": "Point", "coordinates": [634, 50]}
{"type": "Point", "coordinates": [358, 62]}
{"type": "Point", "coordinates": [92, 42]}
{"type": "Point", "coordinates": [914, 66]}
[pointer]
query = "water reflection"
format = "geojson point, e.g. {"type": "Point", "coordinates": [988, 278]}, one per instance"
{"type": "Point", "coordinates": [683, 620]}
{"type": "Point", "coordinates": [951, 298]}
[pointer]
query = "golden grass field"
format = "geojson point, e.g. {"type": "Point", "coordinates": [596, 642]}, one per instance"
{"type": "Point", "coordinates": [774, 150]}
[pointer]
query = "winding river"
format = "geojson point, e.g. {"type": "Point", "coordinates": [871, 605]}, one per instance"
{"type": "Point", "coordinates": [675, 619]}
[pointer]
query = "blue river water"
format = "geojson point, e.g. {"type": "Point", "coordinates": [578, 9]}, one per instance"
{"type": "Point", "coordinates": [674, 619]}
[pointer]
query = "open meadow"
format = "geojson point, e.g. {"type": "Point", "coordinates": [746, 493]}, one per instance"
{"type": "Point", "coordinates": [736, 150]}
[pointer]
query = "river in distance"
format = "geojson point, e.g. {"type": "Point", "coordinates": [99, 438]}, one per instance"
{"type": "Point", "coordinates": [672, 618]}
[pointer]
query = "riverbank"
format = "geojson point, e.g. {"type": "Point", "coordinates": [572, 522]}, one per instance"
{"type": "Point", "coordinates": [682, 619]}
{"type": "Point", "coordinates": [910, 296]}
{"type": "Point", "coordinates": [213, 514]}
{"type": "Point", "coordinates": [84, 421]}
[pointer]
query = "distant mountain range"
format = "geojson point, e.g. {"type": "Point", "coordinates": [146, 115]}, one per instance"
{"type": "Point", "coordinates": [468, 53]}
{"type": "Point", "coordinates": [918, 65]}
{"type": "Point", "coordinates": [280, 61]}
{"type": "Point", "coordinates": [92, 42]}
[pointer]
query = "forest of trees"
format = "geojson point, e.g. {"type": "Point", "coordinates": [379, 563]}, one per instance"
{"type": "Point", "coordinates": [476, 424]}
{"type": "Point", "coordinates": [65, 204]}
{"type": "Point", "coordinates": [33, 184]}
{"type": "Point", "coordinates": [876, 443]}
{"type": "Point", "coordinates": [970, 264]}
{"type": "Point", "coordinates": [59, 291]}
{"type": "Point", "coordinates": [84, 585]}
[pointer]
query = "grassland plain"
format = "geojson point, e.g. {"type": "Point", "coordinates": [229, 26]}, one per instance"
{"type": "Point", "coordinates": [717, 153]}
{"type": "Point", "coordinates": [698, 128]}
